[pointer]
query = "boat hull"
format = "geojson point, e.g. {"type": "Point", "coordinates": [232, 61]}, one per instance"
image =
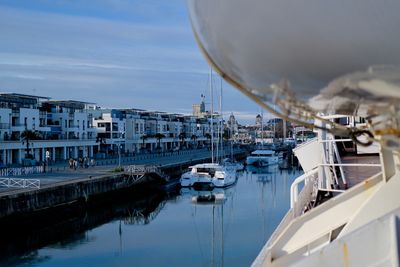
{"type": "Point", "coordinates": [261, 161]}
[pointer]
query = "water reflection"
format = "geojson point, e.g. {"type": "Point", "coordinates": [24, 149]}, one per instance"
{"type": "Point", "coordinates": [219, 202]}
{"type": "Point", "coordinates": [67, 228]}
{"type": "Point", "coordinates": [220, 227]}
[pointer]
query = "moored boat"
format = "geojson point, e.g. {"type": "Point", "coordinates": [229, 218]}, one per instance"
{"type": "Point", "coordinates": [209, 175]}
{"type": "Point", "coordinates": [262, 158]}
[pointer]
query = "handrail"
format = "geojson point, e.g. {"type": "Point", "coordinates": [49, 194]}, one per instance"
{"type": "Point", "coordinates": [335, 140]}
{"type": "Point", "coordinates": [294, 188]}
{"type": "Point", "coordinates": [294, 191]}
{"type": "Point", "coordinates": [350, 165]}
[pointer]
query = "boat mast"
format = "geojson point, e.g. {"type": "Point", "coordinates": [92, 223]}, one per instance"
{"type": "Point", "coordinates": [220, 138]}
{"type": "Point", "coordinates": [262, 129]}
{"type": "Point", "coordinates": [212, 115]}
{"type": "Point", "coordinates": [217, 155]}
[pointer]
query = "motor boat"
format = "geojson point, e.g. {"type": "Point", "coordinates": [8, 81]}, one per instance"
{"type": "Point", "coordinates": [261, 158]}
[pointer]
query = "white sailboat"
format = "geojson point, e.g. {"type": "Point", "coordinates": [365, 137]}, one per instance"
{"type": "Point", "coordinates": [210, 174]}
{"type": "Point", "coordinates": [331, 59]}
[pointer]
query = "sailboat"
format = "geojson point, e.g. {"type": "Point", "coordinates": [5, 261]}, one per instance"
{"type": "Point", "coordinates": [210, 174]}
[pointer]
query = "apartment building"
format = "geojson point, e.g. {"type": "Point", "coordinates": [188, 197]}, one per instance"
{"type": "Point", "coordinates": [139, 131]}
{"type": "Point", "coordinates": [110, 125]}
{"type": "Point", "coordinates": [34, 129]}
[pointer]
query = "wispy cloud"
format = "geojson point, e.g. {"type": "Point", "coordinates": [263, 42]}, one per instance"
{"type": "Point", "coordinates": [111, 62]}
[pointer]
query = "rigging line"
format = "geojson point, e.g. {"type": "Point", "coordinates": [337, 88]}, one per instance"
{"type": "Point", "coordinates": [221, 120]}
{"type": "Point", "coordinates": [212, 115]}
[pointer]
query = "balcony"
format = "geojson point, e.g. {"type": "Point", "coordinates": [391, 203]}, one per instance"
{"type": "Point", "coordinates": [4, 126]}
{"type": "Point", "coordinates": [72, 128]}
{"type": "Point", "coordinates": [55, 129]}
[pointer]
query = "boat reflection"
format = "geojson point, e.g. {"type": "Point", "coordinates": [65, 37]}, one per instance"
{"type": "Point", "coordinates": [263, 169]}
{"type": "Point", "coordinates": [212, 205]}
{"type": "Point", "coordinates": [207, 196]}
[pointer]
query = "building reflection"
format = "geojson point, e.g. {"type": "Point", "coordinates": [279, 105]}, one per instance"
{"type": "Point", "coordinates": [67, 227]}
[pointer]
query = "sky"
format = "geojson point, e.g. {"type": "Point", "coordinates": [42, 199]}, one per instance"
{"type": "Point", "coordinates": [115, 53]}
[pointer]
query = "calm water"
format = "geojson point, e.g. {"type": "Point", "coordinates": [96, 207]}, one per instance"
{"type": "Point", "coordinates": [166, 229]}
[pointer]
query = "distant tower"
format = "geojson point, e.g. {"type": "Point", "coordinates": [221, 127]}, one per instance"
{"type": "Point", "coordinates": [233, 124]}
{"type": "Point", "coordinates": [199, 110]}
{"type": "Point", "coordinates": [258, 120]}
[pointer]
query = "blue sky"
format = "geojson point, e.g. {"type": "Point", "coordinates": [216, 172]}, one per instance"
{"type": "Point", "coordinates": [116, 53]}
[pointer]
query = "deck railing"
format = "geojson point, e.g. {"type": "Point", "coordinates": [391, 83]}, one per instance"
{"type": "Point", "coordinates": [310, 184]}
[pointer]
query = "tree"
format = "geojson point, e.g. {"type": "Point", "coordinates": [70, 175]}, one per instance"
{"type": "Point", "coordinates": [208, 136]}
{"type": "Point", "coordinates": [144, 138]}
{"type": "Point", "coordinates": [182, 137]}
{"type": "Point", "coordinates": [159, 136]}
{"type": "Point", "coordinates": [226, 135]}
{"type": "Point", "coordinates": [27, 136]}
{"type": "Point", "coordinates": [193, 138]}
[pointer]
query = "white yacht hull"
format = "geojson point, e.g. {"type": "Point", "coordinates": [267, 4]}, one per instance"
{"type": "Point", "coordinates": [261, 161]}
{"type": "Point", "coordinates": [226, 177]}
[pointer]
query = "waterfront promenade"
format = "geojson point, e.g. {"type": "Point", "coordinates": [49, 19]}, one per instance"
{"type": "Point", "coordinates": [61, 172]}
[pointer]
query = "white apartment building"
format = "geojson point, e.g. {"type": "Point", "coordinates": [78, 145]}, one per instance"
{"type": "Point", "coordinates": [111, 129]}
{"type": "Point", "coordinates": [62, 129]}
{"type": "Point", "coordinates": [149, 131]}
{"type": "Point", "coordinates": [73, 129]}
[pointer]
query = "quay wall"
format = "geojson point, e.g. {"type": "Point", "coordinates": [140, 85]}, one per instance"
{"type": "Point", "coordinates": [64, 193]}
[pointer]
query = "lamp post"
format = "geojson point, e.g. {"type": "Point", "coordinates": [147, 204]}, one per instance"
{"type": "Point", "coordinates": [121, 132]}
{"type": "Point", "coordinates": [119, 154]}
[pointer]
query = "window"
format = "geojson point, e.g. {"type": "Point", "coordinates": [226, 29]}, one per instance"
{"type": "Point", "coordinates": [115, 126]}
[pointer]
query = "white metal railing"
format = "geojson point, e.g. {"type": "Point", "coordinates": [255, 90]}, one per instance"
{"type": "Point", "coordinates": [310, 181]}
{"type": "Point", "coordinates": [20, 183]}
{"type": "Point", "coordinates": [143, 169]}
{"type": "Point", "coordinates": [307, 179]}
{"type": "Point", "coordinates": [351, 165]}
{"type": "Point", "coordinates": [140, 168]}
{"type": "Point", "coordinates": [21, 171]}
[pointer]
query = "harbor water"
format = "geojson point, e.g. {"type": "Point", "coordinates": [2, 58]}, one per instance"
{"type": "Point", "coordinates": [224, 227]}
